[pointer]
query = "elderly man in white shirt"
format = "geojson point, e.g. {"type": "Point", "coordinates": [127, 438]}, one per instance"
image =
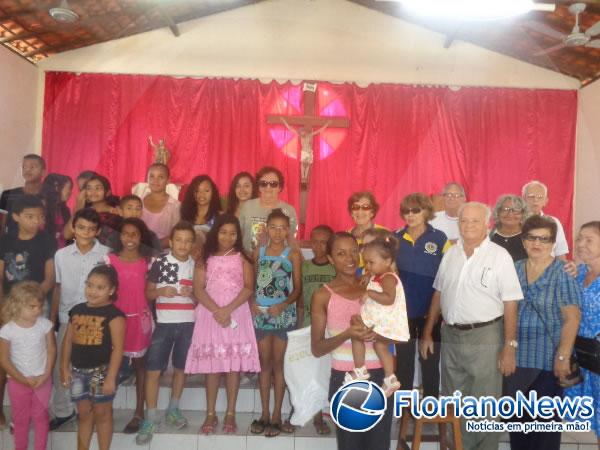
{"type": "Point", "coordinates": [535, 194]}
{"type": "Point", "coordinates": [447, 220]}
{"type": "Point", "coordinates": [476, 292]}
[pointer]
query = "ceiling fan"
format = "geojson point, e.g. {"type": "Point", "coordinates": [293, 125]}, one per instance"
{"type": "Point", "coordinates": [576, 38]}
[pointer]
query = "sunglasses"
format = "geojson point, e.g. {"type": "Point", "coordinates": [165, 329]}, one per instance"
{"type": "Point", "coordinates": [406, 211]}
{"type": "Point", "coordinates": [358, 207]}
{"type": "Point", "coordinates": [264, 184]}
{"type": "Point", "coordinates": [511, 210]}
{"type": "Point", "coordinates": [541, 239]}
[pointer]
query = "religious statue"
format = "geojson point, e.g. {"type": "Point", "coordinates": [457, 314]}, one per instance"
{"type": "Point", "coordinates": [306, 148]}
{"type": "Point", "coordinates": [161, 153]}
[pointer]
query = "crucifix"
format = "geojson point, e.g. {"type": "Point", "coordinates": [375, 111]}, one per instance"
{"type": "Point", "coordinates": [307, 126]}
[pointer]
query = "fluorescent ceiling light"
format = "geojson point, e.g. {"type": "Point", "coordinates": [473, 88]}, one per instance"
{"type": "Point", "coordinates": [473, 9]}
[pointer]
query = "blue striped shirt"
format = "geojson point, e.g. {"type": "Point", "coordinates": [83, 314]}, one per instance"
{"type": "Point", "coordinates": [553, 290]}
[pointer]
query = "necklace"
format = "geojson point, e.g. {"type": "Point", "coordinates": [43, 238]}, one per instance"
{"type": "Point", "coordinates": [507, 238]}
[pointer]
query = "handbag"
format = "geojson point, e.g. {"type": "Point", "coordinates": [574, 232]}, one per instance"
{"type": "Point", "coordinates": [574, 376]}
{"type": "Point", "coordinates": [588, 353]}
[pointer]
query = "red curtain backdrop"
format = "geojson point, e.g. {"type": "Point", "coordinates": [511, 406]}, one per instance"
{"type": "Point", "coordinates": [401, 138]}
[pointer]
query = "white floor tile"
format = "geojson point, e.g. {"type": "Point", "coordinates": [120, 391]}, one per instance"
{"type": "Point", "coordinates": [221, 442]}
{"type": "Point", "coordinates": [264, 443]}
{"type": "Point", "coordinates": [312, 443]}
{"type": "Point", "coordinates": [174, 441]}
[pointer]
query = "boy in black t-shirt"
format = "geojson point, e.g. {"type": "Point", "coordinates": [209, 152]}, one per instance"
{"type": "Point", "coordinates": [33, 170]}
{"type": "Point", "coordinates": [26, 256]}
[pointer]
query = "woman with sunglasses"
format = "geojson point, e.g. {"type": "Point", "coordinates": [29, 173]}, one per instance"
{"type": "Point", "coordinates": [509, 214]}
{"type": "Point", "coordinates": [362, 208]}
{"type": "Point", "coordinates": [254, 212]}
{"type": "Point", "coordinates": [419, 255]}
{"type": "Point", "coordinates": [546, 328]}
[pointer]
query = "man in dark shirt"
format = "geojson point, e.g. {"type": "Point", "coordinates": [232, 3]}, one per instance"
{"type": "Point", "coordinates": [33, 171]}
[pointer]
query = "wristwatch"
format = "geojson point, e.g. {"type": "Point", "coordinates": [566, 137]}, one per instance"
{"type": "Point", "coordinates": [513, 344]}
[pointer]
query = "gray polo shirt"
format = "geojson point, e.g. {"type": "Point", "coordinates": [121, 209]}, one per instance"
{"type": "Point", "coordinates": [72, 268]}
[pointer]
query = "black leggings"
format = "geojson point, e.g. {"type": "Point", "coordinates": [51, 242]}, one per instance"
{"type": "Point", "coordinates": [405, 359]}
{"type": "Point", "coordinates": [378, 437]}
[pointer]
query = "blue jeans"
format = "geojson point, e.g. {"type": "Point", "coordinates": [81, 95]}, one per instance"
{"type": "Point", "coordinates": [167, 338]}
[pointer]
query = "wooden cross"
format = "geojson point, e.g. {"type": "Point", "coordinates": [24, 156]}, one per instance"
{"type": "Point", "coordinates": [304, 126]}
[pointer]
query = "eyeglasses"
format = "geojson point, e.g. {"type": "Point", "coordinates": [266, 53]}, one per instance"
{"type": "Point", "coordinates": [453, 195]}
{"type": "Point", "coordinates": [541, 239]}
{"type": "Point", "coordinates": [406, 211]}
{"type": "Point", "coordinates": [264, 184]}
{"type": "Point", "coordinates": [358, 207]}
{"type": "Point", "coordinates": [511, 210]}
{"type": "Point", "coordinates": [535, 196]}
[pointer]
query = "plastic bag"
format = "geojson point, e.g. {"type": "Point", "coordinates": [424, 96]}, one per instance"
{"type": "Point", "coordinates": [307, 377]}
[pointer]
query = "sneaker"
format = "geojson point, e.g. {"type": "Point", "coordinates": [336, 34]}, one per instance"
{"type": "Point", "coordinates": [146, 432]}
{"type": "Point", "coordinates": [58, 422]}
{"type": "Point", "coordinates": [175, 419]}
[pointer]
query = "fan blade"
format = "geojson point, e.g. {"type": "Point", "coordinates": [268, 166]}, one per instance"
{"type": "Point", "coordinates": [594, 44]}
{"type": "Point", "coordinates": [593, 30]}
{"type": "Point", "coordinates": [545, 29]}
{"type": "Point", "coordinates": [550, 49]}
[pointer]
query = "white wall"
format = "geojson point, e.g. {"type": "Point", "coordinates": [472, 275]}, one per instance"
{"type": "Point", "coordinates": [18, 103]}
{"type": "Point", "coordinates": [331, 40]}
{"type": "Point", "coordinates": [587, 178]}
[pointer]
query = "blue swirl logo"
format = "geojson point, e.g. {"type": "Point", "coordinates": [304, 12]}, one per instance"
{"type": "Point", "coordinates": [358, 406]}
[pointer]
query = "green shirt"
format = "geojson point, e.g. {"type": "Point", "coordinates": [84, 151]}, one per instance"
{"type": "Point", "coordinates": [313, 277]}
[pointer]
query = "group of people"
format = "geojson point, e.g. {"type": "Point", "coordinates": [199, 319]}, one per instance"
{"type": "Point", "coordinates": [214, 289]}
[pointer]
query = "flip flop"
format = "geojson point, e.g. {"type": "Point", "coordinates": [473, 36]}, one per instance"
{"type": "Point", "coordinates": [258, 426]}
{"type": "Point", "coordinates": [287, 427]}
{"type": "Point", "coordinates": [273, 430]}
{"type": "Point", "coordinates": [133, 426]}
{"type": "Point", "coordinates": [322, 427]}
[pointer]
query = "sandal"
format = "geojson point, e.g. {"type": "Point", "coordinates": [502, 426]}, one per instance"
{"type": "Point", "coordinates": [229, 425]}
{"type": "Point", "coordinates": [357, 374]}
{"type": "Point", "coordinates": [390, 385]}
{"type": "Point", "coordinates": [210, 422]}
{"type": "Point", "coordinates": [321, 427]}
{"type": "Point", "coordinates": [287, 427]}
{"type": "Point", "coordinates": [133, 426]}
{"type": "Point", "coordinates": [273, 430]}
{"type": "Point", "coordinates": [258, 426]}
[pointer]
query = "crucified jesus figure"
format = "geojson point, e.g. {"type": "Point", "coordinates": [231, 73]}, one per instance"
{"type": "Point", "coordinates": [306, 136]}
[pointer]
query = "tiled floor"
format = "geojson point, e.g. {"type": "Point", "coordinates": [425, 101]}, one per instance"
{"type": "Point", "coordinates": [304, 438]}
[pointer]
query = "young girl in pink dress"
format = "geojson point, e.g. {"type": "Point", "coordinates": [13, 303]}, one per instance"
{"type": "Point", "coordinates": [223, 340]}
{"type": "Point", "coordinates": [130, 260]}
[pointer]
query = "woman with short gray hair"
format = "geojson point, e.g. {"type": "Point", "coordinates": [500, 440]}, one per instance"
{"type": "Point", "coordinates": [509, 214]}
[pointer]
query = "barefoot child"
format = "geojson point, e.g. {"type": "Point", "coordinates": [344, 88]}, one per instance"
{"type": "Point", "coordinates": [92, 351]}
{"type": "Point", "coordinates": [384, 310]}
{"type": "Point", "coordinates": [27, 352]}
{"type": "Point", "coordinates": [224, 340]}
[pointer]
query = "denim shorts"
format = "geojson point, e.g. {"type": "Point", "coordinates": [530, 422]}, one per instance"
{"type": "Point", "coordinates": [86, 384]}
{"type": "Point", "coordinates": [167, 337]}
